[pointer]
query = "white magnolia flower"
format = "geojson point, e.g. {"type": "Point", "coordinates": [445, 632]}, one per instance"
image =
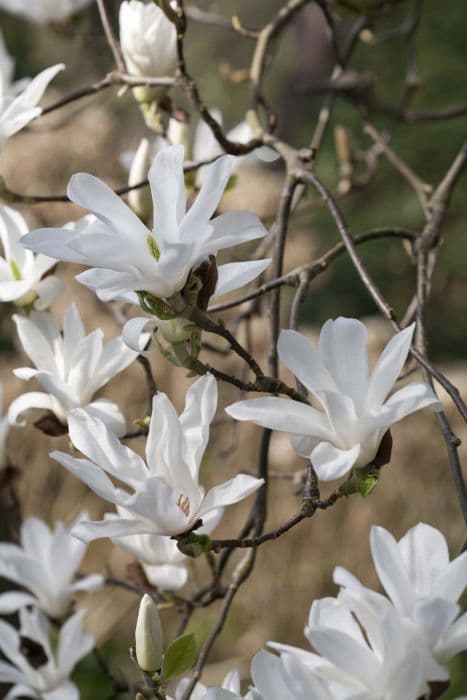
{"type": "Point", "coordinates": [126, 257]}
{"type": "Point", "coordinates": [33, 669]}
{"type": "Point", "coordinates": [17, 111]}
{"type": "Point", "coordinates": [422, 583]}
{"type": "Point", "coordinates": [162, 561]}
{"type": "Point", "coordinates": [4, 430]}
{"type": "Point", "coordinates": [43, 11]}
{"type": "Point", "coordinates": [21, 271]}
{"type": "Point", "coordinates": [149, 42]}
{"type": "Point", "coordinates": [357, 412]}
{"type": "Point", "coordinates": [46, 564]}
{"type": "Point", "coordinates": [164, 496]}
{"type": "Point", "coordinates": [70, 366]}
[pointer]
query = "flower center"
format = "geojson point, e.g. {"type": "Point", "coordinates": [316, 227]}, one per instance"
{"type": "Point", "coordinates": [15, 271]}
{"type": "Point", "coordinates": [153, 247]}
{"type": "Point", "coordinates": [184, 504]}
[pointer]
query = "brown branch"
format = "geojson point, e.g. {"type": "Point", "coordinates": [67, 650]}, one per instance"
{"type": "Point", "coordinates": [111, 39]}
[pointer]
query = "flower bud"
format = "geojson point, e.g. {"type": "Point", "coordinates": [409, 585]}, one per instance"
{"type": "Point", "coordinates": [140, 200]}
{"type": "Point", "coordinates": [179, 132]}
{"type": "Point", "coordinates": [176, 330]}
{"type": "Point", "coordinates": [148, 636]}
{"type": "Point", "coordinates": [148, 40]}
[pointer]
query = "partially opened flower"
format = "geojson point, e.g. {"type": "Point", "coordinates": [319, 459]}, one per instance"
{"type": "Point", "coordinates": [162, 496]}
{"type": "Point", "coordinates": [46, 564]}
{"type": "Point", "coordinates": [126, 257]}
{"type": "Point", "coordinates": [163, 563]}
{"type": "Point", "coordinates": [16, 112]}
{"type": "Point", "coordinates": [149, 42]}
{"type": "Point", "coordinates": [43, 11]}
{"type": "Point", "coordinates": [357, 412]}
{"type": "Point", "coordinates": [21, 272]}
{"type": "Point", "coordinates": [423, 585]}
{"type": "Point", "coordinates": [70, 366]}
{"type": "Point", "coordinates": [33, 669]}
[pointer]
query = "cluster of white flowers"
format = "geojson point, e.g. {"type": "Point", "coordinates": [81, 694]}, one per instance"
{"type": "Point", "coordinates": [160, 254]}
{"type": "Point", "coordinates": [368, 646]}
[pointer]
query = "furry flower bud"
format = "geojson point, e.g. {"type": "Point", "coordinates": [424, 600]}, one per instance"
{"type": "Point", "coordinates": [148, 636]}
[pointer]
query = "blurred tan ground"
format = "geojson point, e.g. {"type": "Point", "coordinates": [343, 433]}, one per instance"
{"type": "Point", "coordinates": [291, 572]}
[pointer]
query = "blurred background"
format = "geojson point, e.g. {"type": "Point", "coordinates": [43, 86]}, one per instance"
{"type": "Point", "coordinates": [91, 134]}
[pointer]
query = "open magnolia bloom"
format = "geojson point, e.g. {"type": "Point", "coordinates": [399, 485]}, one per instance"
{"type": "Point", "coordinates": [70, 366]}
{"type": "Point", "coordinates": [164, 496]}
{"type": "Point", "coordinates": [422, 583]}
{"type": "Point", "coordinates": [46, 564]}
{"type": "Point", "coordinates": [17, 111]}
{"type": "Point", "coordinates": [33, 669]}
{"type": "Point", "coordinates": [162, 561]}
{"type": "Point", "coordinates": [21, 271]}
{"type": "Point", "coordinates": [127, 257]}
{"type": "Point", "coordinates": [357, 412]}
{"type": "Point", "coordinates": [43, 11]}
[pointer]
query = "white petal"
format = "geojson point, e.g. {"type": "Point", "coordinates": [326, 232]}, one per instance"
{"type": "Point", "coordinates": [452, 581]}
{"type": "Point", "coordinates": [166, 577]}
{"type": "Point", "coordinates": [117, 527]}
{"type": "Point", "coordinates": [200, 407]}
{"type": "Point", "coordinates": [407, 400]}
{"type": "Point", "coordinates": [391, 570]}
{"type": "Point", "coordinates": [14, 600]}
{"type": "Point", "coordinates": [73, 643]}
{"type": "Point", "coordinates": [332, 463]}
{"type": "Point", "coordinates": [109, 413]}
{"type": "Point", "coordinates": [342, 347]}
{"type": "Point", "coordinates": [133, 333]}
{"type": "Point", "coordinates": [36, 88]}
{"type": "Point", "coordinates": [282, 414]}
{"type": "Point", "coordinates": [233, 228]}
{"type": "Point", "coordinates": [267, 677]}
{"type": "Point", "coordinates": [216, 176]}
{"type": "Point", "coordinates": [455, 640]}
{"type": "Point", "coordinates": [425, 555]}
{"type": "Point", "coordinates": [168, 193]}
{"type": "Point", "coordinates": [92, 476]}
{"type": "Point", "coordinates": [235, 275]}
{"type": "Point", "coordinates": [48, 290]}
{"type": "Point", "coordinates": [230, 492]}
{"type": "Point", "coordinates": [299, 355]}
{"type": "Point", "coordinates": [24, 403]}
{"type": "Point", "coordinates": [389, 366]}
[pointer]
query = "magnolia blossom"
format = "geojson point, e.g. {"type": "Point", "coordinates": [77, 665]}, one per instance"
{"type": "Point", "coordinates": [43, 11]}
{"type": "Point", "coordinates": [70, 366]}
{"type": "Point", "coordinates": [34, 670]}
{"type": "Point", "coordinates": [46, 564]}
{"type": "Point", "coordinates": [17, 111]}
{"type": "Point", "coordinates": [21, 271]}
{"type": "Point", "coordinates": [162, 561]}
{"type": "Point", "coordinates": [149, 42]}
{"type": "Point", "coordinates": [423, 585]}
{"type": "Point", "coordinates": [126, 257]}
{"type": "Point", "coordinates": [357, 412]}
{"type": "Point", "coordinates": [164, 496]}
